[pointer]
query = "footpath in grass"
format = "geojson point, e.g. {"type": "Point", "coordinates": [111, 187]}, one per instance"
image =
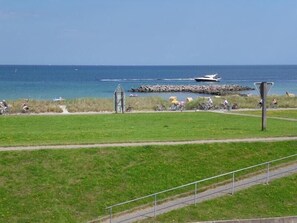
{"type": "Point", "coordinates": [114, 128]}
{"type": "Point", "coordinates": [77, 185]}
{"type": "Point", "coordinates": [278, 199]}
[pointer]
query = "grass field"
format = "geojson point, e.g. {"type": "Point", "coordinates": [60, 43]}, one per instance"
{"type": "Point", "coordinates": [136, 127]}
{"type": "Point", "coordinates": [274, 113]}
{"type": "Point", "coordinates": [77, 185]}
{"type": "Point", "coordinates": [278, 199]}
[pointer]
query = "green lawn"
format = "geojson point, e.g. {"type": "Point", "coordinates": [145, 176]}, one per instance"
{"type": "Point", "coordinates": [261, 201]}
{"type": "Point", "coordinates": [274, 113]}
{"type": "Point", "coordinates": [88, 129]}
{"type": "Point", "coordinates": [77, 185]}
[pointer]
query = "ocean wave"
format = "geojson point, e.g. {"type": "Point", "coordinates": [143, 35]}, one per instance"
{"type": "Point", "coordinates": [145, 79]}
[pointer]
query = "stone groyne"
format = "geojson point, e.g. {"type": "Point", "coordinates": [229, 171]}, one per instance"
{"type": "Point", "coordinates": [201, 89]}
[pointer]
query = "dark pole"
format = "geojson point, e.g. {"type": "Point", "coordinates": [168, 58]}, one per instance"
{"type": "Point", "coordinates": [263, 92]}
{"type": "Point", "coordinates": [122, 102]}
{"type": "Point", "coordinates": [116, 101]}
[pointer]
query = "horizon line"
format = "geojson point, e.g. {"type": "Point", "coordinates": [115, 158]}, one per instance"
{"type": "Point", "coordinates": [148, 65]}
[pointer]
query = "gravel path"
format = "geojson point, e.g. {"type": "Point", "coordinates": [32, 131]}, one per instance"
{"type": "Point", "coordinates": [272, 139]}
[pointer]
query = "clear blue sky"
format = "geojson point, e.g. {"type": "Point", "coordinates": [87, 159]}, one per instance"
{"type": "Point", "coordinates": [148, 32]}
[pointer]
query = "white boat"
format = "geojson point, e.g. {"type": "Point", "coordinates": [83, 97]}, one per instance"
{"type": "Point", "coordinates": [58, 99]}
{"type": "Point", "coordinates": [209, 77]}
{"type": "Point", "coordinates": [133, 95]}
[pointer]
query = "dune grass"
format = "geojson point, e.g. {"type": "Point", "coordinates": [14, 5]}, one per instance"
{"type": "Point", "coordinates": [250, 102]}
{"type": "Point", "coordinates": [86, 105]}
{"type": "Point", "coordinates": [277, 199]}
{"type": "Point", "coordinates": [77, 185]}
{"type": "Point", "coordinates": [136, 127]}
{"type": "Point", "coordinates": [142, 103]}
{"type": "Point", "coordinates": [35, 106]}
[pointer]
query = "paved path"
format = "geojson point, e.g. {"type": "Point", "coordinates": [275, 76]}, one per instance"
{"type": "Point", "coordinates": [219, 191]}
{"type": "Point", "coordinates": [271, 139]}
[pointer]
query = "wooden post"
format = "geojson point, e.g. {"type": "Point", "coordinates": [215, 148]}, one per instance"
{"type": "Point", "coordinates": [263, 92]}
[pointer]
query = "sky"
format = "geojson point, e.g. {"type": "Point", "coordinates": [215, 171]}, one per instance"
{"type": "Point", "coordinates": [148, 32]}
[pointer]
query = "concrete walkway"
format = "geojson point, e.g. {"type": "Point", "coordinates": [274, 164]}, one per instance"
{"type": "Point", "coordinates": [219, 191]}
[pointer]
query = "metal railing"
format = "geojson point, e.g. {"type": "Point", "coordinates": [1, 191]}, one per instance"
{"type": "Point", "coordinates": [154, 196]}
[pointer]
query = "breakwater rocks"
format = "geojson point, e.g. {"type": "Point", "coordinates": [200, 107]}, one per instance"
{"type": "Point", "coordinates": [201, 89]}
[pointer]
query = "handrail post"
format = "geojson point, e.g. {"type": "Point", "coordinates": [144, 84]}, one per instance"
{"type": "Point", "coordinates": [110, 215]}
{"type": "Point", "coordinates": [195, 193]}
{"type": "Point", "coordinates": [268, 172]}
{"type": "Point", "coordinates": [155, 204]}
{"type": "Point", "coordinates": [233, 182]}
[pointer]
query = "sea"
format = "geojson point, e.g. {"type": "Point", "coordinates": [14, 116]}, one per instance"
{"type": "Point", "coordinates": [48, 82]}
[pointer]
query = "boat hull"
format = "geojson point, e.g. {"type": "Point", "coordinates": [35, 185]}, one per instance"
{"type": "Point", "coordinates": [206, 80]}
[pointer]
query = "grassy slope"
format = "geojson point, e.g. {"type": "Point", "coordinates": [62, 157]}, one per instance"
{"type": "Point", "coordinates": [84, 129]}
{"type": "Point", "coordinates": [76, 185]}
{"type": "Point", "coordinates": [276, 200]}
{"type": "Point", "coordinates": [274, 113]}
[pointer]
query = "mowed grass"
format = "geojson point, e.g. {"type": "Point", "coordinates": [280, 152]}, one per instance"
{"type": "Point", "coordinates": [274, 113]}
{"type": "Point", "coordinates": [278, 199]}
{"type": "Point", "coordinates": [136, 127]}
{"type": "Point", "coordinates": [77, 185]}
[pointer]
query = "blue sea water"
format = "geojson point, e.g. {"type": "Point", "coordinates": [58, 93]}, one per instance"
{"type": "Point", "coordinates": [48, 82]}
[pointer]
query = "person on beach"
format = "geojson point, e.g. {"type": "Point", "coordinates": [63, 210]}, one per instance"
{"type": "Point", "coordinates": [210, 103]}
{"type": "Point", "coordinates": [3, 106]}
{"type": "Point", "coordinates": [182, 105]}
{"type": "Point", "coordinates": [226, 104]}
{"type": "Point", "coordinates": [290, 94]}
{"type": "Point", "coordinates": [260, 103]}
{"type": "Point", "coordinates": [274, 103]}
{"type": "Point", "coordinates": [25, 107]}
{"type": "Point", "coordinates": [235, 106]}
